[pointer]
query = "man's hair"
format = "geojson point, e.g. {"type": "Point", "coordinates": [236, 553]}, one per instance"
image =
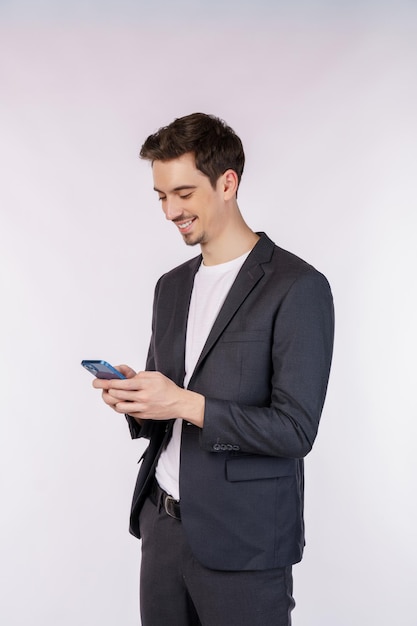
{"type": "Point", "coordinates": [215, 146]}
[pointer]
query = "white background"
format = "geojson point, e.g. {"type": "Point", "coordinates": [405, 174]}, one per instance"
{"type": "Point", "coordinates": [325, 100]}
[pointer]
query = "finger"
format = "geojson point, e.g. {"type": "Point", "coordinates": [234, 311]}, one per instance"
{"type": "Point", "coordinates": [149, 375]}
{"type": "Point", "coordinates": [132, 408]}
{"type": "Point", "coordinates": [127, 384]}
{"type": "Point", "coordinates": [108, 399]}
{"type": "Point", "coordinates": [99, 383]}
{"type": "Point", "coordinates": [126, 371]}
{"type": "Point", "coordinates": [121, 394]}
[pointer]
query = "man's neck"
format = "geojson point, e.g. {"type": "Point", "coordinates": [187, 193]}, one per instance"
{"type": "Point", "coordinates": [229, 246]}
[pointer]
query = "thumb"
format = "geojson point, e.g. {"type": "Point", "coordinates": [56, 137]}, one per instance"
{"type": "Point", "coordinates": [126, 371]}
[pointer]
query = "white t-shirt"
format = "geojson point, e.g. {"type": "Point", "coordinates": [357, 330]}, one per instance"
{"type": "Point", "coordinates": [211, 285]}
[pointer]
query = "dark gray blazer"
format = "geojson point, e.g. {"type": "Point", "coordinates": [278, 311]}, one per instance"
{"type": "Point", "coordinates": [264, 372]}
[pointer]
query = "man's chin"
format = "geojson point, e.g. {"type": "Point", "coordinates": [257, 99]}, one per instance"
{"type": "Point", "coordinates": [191, 240]}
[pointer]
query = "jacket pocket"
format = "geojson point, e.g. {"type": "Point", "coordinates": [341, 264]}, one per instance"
{"type": "Point", "coordinates": [258, 468]}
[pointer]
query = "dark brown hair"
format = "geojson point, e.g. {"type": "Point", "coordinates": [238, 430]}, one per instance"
{"type": "Point", "coordinates": [215, 146]}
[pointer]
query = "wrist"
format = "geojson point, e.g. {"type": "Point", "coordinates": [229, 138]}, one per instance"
{"type": "Point", "coordinates": [192, 407]}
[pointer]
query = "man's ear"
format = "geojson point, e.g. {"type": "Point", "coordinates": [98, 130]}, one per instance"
{"type": "Point", "coordinates": [230, 183]}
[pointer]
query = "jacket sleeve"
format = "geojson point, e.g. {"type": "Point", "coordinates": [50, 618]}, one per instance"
{"type": "Point", "coordinates": [139, 430]}
{"type": "Point", "coordinates": [301, 353]}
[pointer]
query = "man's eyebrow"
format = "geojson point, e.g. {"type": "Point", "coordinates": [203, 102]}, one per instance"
{"type": "Point", "coordinates": [180, 188]}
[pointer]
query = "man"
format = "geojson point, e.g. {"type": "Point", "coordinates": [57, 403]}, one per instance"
{"type": "Point", "coordinates": [230, 401]}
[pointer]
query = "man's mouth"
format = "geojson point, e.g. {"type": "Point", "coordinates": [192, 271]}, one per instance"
{"type": "Point", "coordinates": [185, 225]}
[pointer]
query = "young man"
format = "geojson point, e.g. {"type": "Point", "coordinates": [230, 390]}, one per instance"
{"type": "Point", "coordinates": [230, 401]}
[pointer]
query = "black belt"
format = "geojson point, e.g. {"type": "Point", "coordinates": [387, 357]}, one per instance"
{"type": "Point", "coordinates": [161, 498]}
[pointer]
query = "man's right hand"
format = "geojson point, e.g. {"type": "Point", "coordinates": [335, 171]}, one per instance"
{"type": "Point", "coordinates": [100, 383]}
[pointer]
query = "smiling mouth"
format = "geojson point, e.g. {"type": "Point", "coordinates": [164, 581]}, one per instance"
{"type": "Point", "coordinates": [185, 225]}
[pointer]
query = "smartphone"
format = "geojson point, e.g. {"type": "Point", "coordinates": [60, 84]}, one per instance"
{"type": "Point", "coordinates": [102, 369]}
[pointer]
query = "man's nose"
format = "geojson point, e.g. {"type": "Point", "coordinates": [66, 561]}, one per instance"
{"type": "Point", "coordinates": [171, 208]}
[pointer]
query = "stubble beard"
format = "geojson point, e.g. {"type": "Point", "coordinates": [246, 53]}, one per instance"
{"type": "Point", "coordinates": [189, 240]}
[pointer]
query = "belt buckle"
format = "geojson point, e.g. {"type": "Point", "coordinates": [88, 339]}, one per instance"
{"type": "Point", "coordinates": [166, 506]}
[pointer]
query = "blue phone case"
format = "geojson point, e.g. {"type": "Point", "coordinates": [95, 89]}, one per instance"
{"type": "Point", "coordinates": [101, 369]}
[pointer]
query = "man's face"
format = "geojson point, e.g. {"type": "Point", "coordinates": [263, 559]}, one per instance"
{"type": "Point", "coordinates": [188, 199]}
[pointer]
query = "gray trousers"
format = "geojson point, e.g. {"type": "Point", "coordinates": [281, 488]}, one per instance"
{"type": "Point", "coordinates": [176, 590]}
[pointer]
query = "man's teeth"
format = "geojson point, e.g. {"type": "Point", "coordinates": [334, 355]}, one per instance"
{"type": "Point", "coordinates": [185, 224]}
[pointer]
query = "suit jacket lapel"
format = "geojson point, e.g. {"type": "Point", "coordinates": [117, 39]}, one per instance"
{"type": "Point", "coordinates": [180, 308]}
{"type": "Point", "coordinates": [249, 275]}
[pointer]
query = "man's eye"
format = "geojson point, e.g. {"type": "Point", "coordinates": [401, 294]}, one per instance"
{"type": "Point", "coordinates": [162, 198]}
{"type": "Point", "coordinates": [187, 195]}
